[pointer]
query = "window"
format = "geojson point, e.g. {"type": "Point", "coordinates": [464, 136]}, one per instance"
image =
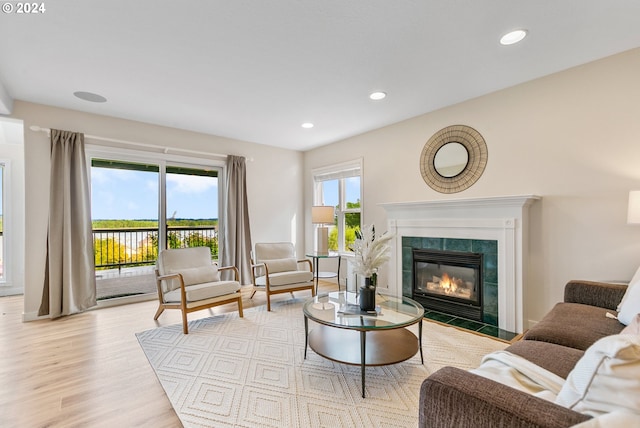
{"type": "Point", "coordinates": [142, 204]}
{"type": "Point", "coordinates": [341, 187]}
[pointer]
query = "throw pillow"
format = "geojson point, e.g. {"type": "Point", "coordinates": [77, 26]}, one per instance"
{"type": "Point", "coordinates": [281, 265]}
{"type": "Point", "coordinates": [633, 327]}
{"type": "Point", "coordinates": [630, 304]}
{"type": "Point", "coordinates": [606, 378]}
{"type": "Point", "coordinates": [199, 275]}
{"type": "Point", "coordinates": [634, 280]}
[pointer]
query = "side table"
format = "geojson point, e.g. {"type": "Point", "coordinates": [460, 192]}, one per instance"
{"type": "Point", "coordinates": [316, 260]}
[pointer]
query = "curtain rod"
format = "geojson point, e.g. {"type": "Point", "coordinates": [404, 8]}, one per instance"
{"type": "Point", "coordinates": [165, 150]}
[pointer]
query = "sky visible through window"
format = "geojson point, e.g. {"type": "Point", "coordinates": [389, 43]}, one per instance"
{"type": "Point", "coordinates": [118, 194]}
{"type": "Point", "coordinates": [330, 191]}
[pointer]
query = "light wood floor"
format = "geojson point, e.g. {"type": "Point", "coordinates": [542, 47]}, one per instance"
{"type": "Point", "coordinates": [88, 370]}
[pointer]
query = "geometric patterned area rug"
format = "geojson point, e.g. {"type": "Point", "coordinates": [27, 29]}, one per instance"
{"type": "Point", "coordinates": [251, 372]}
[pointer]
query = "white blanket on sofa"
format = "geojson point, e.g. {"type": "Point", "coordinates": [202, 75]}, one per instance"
{"type": "Point", "coordinates": [519, 373]}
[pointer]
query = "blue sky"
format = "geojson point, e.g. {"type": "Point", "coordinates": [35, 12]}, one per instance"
{"type": "Point", "coordinates": [330, 190]}
{"type": "Point", "coordinates": [133, 195]}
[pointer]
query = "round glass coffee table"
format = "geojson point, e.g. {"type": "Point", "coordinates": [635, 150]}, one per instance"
{"type": "Point", "coordinates": [347, 335]}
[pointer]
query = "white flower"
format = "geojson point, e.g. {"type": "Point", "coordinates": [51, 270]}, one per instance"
{"type": "Point", "coordinates": [371, 251]}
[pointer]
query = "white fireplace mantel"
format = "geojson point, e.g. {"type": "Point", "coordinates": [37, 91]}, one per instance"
{"type": "Point", "coordinates": [503, 219]}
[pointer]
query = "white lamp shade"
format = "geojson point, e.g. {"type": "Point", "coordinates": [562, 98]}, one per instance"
{"type": "Point", "coordinates": [322, 214]}
{"type": "Point", "coordinates": [633, 213]}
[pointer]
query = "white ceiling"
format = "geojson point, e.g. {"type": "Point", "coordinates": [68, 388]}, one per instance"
{"type": "Point", "coordinates": [256, 70]}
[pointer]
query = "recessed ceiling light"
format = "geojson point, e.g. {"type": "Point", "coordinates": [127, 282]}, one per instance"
{"type": "Point", "coordinates": [513, 37]}
{"type": "Point", "coordinates": [307, 125]}
{"type": "Point", "coordinates": [90, 96]}
{"type": "Point", "coordinates": [376, 96]}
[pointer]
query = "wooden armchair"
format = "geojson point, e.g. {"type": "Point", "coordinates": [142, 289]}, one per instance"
{"type": "Point", "coordinates": [187, 280]}
{"type": "Point", "coordinates": [275, 270]}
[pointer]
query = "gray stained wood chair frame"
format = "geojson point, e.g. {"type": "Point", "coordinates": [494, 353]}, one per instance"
{"type": "Point", "coordinates": [275, 270]}
{"type": "Point", "coordinates": [186, 303]}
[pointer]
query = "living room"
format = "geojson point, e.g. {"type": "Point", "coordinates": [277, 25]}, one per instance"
{"type": "Point", "coordinates": [575, 129]}
{"type": "Point", "coordinates": [570, 137]}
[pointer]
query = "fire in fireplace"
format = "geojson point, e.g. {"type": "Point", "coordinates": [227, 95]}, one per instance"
{"type": "Point", "coordinates": [449, 282]}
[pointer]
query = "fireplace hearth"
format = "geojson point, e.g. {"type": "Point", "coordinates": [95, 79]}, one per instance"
{"type": "Point", "coordinates": [449, 282]}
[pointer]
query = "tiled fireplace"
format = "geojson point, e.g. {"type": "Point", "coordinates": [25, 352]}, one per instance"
{"type": "Point", "coordinates": [454, 276]}
{"type": "Point", "coordinates": [495, 227]}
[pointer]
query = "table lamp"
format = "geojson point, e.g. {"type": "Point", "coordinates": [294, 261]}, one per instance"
{"type": "Point", "coordinates": [322, 215]}
{"type": "Point", "coordinates": [633, 213]}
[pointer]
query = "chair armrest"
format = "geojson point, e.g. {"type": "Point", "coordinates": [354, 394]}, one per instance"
{"type": "Point", "coordinates": [452, 397]}
{"type": "Point", "coordinates": [169, 276]}
{"type": "Point", "coordinates": [593, 293]}
{"type": "Point", "coordinates": [183, 292]}
{"type": "Point", "coordinates": [262, 265]}
{"type": "Point", "coordinates": [308, 262]}
{"type": "Point", "coordinates": [231, 268]}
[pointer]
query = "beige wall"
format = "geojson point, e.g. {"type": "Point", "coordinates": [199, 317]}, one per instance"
{"type": "Point", "coordinates": [572, 138]}
{"type": "Point", "coordinates": [273, 207]}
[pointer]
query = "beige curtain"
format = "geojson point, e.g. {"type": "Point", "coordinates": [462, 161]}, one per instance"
{"type": "Point", "coordinates": [69, 282]}
{"type": "Point", "coordinates": [236, 247]}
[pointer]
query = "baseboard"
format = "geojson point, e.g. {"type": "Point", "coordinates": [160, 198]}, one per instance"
{"type": "Point", "coordinates": [119, 301]}
{"type": "Point", "coordinates": [32, 316]}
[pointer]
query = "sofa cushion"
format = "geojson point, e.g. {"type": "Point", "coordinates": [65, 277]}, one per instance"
{"type": "Point", "coordinates": [574, 325]}
{"type": "Point", "coordinates": [607, 378]}
{"type": "Point", "coordinates": [557, 359]}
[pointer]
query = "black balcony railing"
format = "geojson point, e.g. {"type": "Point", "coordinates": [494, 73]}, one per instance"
{"type": "Point", "coordinates": [138, 246]}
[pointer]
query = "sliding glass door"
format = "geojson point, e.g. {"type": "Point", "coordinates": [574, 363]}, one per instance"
{"type": "Point", "coordinates": [139, 207]}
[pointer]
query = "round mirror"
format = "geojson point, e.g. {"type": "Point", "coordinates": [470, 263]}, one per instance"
{"type": "Point", "coordinates": [451, 159]}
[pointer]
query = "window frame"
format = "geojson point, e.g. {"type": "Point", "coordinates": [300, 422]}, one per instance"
{"type": "Point", "coordinates": [7, 237]}
{"type": "Point", "coordinates": [340, 172]}
{"type": "Point", "coordinates": [163, 160]}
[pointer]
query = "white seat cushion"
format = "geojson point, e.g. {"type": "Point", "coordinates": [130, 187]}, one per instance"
{"type": "Point", "coordinates": [204, 291]}
{"type": "Point", "coordinates": [285, 278]}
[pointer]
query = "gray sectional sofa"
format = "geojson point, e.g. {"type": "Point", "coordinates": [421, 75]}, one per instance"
{"type": "Point", "coordinates": [452, 397]}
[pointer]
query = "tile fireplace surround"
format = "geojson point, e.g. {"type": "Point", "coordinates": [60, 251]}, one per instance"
{"type": "Point", "coordinates": [503, 219]}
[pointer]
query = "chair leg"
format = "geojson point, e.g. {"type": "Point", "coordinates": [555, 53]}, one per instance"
{"type": "Point", "coordinates": [252, 294]}
{"type": "Point", "coordinates": [159, 312]}
{"type": "Point", "coordinates": [268, 303]}
{"type": "Point", "coordinates": [185, 327]}
{"type": "Point", "coordinates": [240, 307]}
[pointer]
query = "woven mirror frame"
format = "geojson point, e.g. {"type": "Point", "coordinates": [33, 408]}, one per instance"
{"type": "Point", "coordinates": [476, 161]}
